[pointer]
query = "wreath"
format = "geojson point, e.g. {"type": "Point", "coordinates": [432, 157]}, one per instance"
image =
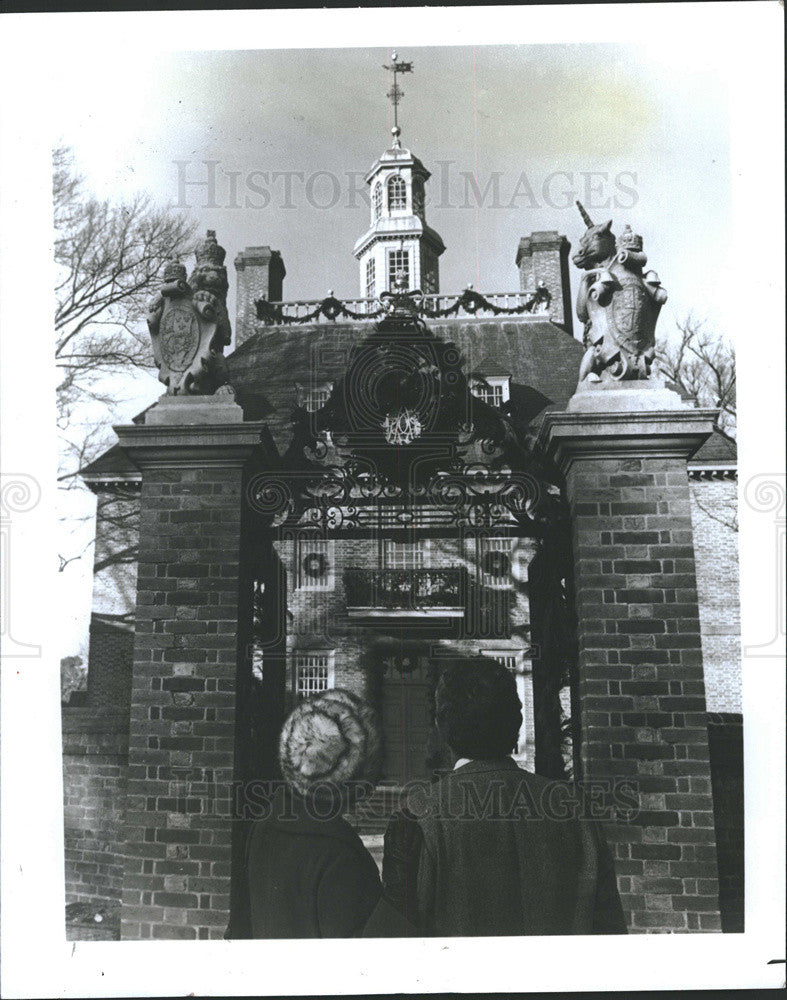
{"type": "Point", "coordinates": [496, 564]}
{"type": "Point", "coordinates": [315, 565]}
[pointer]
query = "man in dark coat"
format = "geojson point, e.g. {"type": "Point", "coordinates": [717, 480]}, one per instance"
{"type": "Point", "coordinates": [492, 849]}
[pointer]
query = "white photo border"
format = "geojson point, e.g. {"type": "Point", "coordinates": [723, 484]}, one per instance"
{"type": "Point", "coordinates": [744, 40]}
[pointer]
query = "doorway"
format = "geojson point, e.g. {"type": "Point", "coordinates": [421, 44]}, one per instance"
{"type": "Point", "coordinates": [407, 697]}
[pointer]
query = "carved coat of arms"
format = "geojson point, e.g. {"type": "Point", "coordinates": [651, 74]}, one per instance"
{"type": "Point", "coordinates": [189, 326]}
{"type": "Point", "coordinates": [618, 302]}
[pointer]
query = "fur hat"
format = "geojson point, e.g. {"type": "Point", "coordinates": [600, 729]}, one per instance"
{"type": "Point", "coordinates": [331, 737]}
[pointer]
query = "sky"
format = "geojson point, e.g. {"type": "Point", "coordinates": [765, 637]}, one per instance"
{"type": "Point", "coordinates": [634, 132]}
{"type": "Point", "coordinates": [511, 133]}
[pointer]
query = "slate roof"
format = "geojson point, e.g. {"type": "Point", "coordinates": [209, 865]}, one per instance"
{"type": "Point", "coordinates": [719, 450]}
{"type": "Point", "coordinates": [491, 369]}
{"type": "Point", "coordinates": [113, 465]}
{"type": "Point", "coordinates": [541, 358]}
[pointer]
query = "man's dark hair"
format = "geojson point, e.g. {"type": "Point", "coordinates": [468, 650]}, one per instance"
{"type": "Point", "coordinates": [479, 713]}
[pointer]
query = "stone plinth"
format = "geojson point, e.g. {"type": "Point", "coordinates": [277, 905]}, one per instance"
{"type": "Point", "coordinates": [640, 676]}
{"type": "Point", "coordinates": [187, 645]}
{"type": "Point", "coordinates": [636, 396]}
{"type": "Point", "coordinates": [189, 411]}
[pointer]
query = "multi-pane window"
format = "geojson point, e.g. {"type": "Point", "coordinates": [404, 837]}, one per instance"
{"type": "Point", "coordinates": [418, 197]}
{"type": "Point", "coordinates": [370, 278]}
{"type": "Point", "coordinates": [490, 394]}
{"type": "Point", "coordinates": [312, 674]}
{"type": "Point", "coordinates": [398, 264]}
{"type": "Point", "coordinates": [496, 562]}
{"type": "Point", "coordinates": [315, 399]}
{"type": "Point", "coordinates": [397, 193]}
{"type": "Point", "coordinates": [315, 568]}
{"type": "Point", "coordinates": [429, 282]}
{"type": "Point", "coordinates": [495, 392]}
{"type": "Point", "coordinates": [377, 200]}
{"type": "Point", "coordinates": [405, 555]}
{"type": "Point", "coordinates": [511, 659]}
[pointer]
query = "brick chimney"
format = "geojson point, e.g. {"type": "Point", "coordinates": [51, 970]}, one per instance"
{"type": "Point", "coordinates": [543, 257]}
{"type": "Point", "coordinates": [260, 276]}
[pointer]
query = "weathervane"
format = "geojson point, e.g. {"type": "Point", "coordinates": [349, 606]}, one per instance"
{"type": "Point", "coordinates": [395, 94]}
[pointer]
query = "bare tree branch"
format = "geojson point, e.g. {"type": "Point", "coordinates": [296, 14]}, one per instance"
{"type": "Point", "coordinates": [728, 515]}
{"type": "Point", "coordinates": [107, 257]}
{"type": "Point", "coordinates": [702, 364]}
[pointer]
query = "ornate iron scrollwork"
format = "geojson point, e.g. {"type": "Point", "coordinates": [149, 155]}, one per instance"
{"type": "Point", "coordinates": [468, 465]}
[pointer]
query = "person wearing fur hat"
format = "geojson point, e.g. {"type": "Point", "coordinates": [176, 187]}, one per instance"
{"type": "Point", "coordinates": [308, 872]}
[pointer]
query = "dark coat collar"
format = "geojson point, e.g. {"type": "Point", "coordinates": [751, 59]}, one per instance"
{"type": "Point", "coordinates": [294, 814]}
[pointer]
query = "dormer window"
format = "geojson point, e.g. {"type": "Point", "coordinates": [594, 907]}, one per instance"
{"type": "Point", "coordinates": [397, 193]}
{"type": "Point", "coordinates": [377, 200]}
{"type": "Point", "coordinates": [494, 390]}
{"type": "Point", "coordinates": [314, 399]}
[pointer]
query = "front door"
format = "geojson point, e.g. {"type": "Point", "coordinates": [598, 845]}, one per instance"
{"type": "Point", "coordinates": [407, 718]}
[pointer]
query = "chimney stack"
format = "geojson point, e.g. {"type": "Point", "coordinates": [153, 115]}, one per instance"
{"type": "Point", "coordinates": [260, 276]}
{"type": "Point", "coordinates": [543, 256]}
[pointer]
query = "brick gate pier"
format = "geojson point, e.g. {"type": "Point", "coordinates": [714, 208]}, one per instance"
{"type": "Point", "coordinates": [640, 675]}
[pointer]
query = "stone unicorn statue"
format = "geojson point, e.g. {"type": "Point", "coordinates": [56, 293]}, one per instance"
{"type": "Point", "coordinates": [618, 304]}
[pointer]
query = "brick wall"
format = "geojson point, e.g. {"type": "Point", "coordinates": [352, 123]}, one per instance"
{"type": "Point", "coordinates": [95, 758]}
{"type": "Point", "coordinates": [714, 519]}
{"type": "Point", "coordinates": [181, 747]}
{"type": "Point", "coordinates": [641, 687]}
{"type": "Point", "coordinates": [95, 729]}
{"type": "Point", "coordinates": [111, 660]}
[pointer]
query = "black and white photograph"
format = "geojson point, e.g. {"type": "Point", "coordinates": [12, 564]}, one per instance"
{"type": "Point", "coordinates": [374, 497]}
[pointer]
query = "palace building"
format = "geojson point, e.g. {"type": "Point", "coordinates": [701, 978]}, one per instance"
{"type": "Point", "coordinates": [369, 490]}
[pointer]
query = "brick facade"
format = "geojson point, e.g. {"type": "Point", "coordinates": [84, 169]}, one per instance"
{"type": "Point", "coordinates": [111, 658]}
{"type": "Point", "coordinates": [714, 521]}
{"type": "Point", "coordinates": [640, 677]}
{"type": "Point", "coordinates": [317, 619]}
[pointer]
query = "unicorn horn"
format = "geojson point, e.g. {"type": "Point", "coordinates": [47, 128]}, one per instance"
{"type": "Point", "coordinates": [585, 217]}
